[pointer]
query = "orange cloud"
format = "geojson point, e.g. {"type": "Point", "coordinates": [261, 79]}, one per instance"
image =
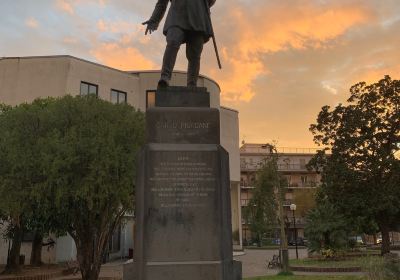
{"type": "Point", "coordinates": [66, 6]}
{"type": "Point", "coordinates": [374, 75]}
{"type": "Point", "coordinates": [123, 58]}
{"type": "Point", "coordinates": [32, 22]}
{"type": "Point", "coordinates": [278, 28]}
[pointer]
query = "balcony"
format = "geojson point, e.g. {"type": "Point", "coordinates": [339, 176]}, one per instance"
{"type": "Point", "coordinates": [245, 166]}
{"type": "Point", "coordinates": [244, 202]}
{"type": "Point", "coordinates": [265, 149]}
{"type": "Point", "coordinates": [246, 185]}
{"type": "Point", "coordinates": [287, 202]}
{"type": "Point", "coordinates": [300, 222]}
{"type": "Point", "coordinates": [303, 185]}
{"type": "Point", "coordinates": [292, 167]}
{"type": "Point", "coordinates": [283, 167]}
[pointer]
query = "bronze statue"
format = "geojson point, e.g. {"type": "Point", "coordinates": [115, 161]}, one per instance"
{"type": "Point", "coordinates": [189, 22]}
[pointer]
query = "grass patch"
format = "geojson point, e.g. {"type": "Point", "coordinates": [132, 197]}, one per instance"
{"type": "Point", "coordinates": [309, 277]}
{"type": "Point", "coordinates": [351, 262]}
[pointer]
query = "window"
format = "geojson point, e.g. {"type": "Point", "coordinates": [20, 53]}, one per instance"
{"type": "Point", "coordinates": [87, 88]}
{"type": "Point", "coordinates": [302, 163]}
{"type": "Point", "coordinates": [150, 98]}
{"type": "Point", "coordinates": [118, 97]}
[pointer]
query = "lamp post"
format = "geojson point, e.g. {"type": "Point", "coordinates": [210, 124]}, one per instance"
{"type": "Point", "coordinates": [293, 208]}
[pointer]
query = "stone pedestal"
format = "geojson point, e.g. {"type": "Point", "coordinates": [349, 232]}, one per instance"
{"type": "Point", "coordinates": [183, 214]}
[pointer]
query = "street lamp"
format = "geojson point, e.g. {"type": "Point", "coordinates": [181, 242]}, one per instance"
{"type": "Point", "coordinates": [293, 208]}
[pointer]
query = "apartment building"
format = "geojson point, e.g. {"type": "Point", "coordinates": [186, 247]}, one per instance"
{"type": "Point", "coordinates": [300, 189]}
{"type": "Point", "coordinates": [22, 79]}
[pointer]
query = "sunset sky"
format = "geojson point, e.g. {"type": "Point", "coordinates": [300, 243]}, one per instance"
{"type": "Point", "coordinates": [282, 60]}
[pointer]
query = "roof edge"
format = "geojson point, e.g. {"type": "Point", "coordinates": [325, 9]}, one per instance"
{"type": "Point", "coordinates": [66, 56]}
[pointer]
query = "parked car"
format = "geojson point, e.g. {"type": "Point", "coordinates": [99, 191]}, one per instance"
{"type": "Point", "coordinates": [276, 241]}
{"type": "Point", "coordinates": [357, 240]}
{"type": "Point", "coordinates": [300, 241]}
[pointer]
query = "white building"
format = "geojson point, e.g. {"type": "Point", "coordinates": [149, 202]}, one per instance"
{"type": "Point", "coordinates": [22, 79]}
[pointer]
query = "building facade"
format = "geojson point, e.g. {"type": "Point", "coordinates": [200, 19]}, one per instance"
{"type": "Point", "coordinates": [300, 189]}
{"type": "Point", "coordinates": [23, 79]}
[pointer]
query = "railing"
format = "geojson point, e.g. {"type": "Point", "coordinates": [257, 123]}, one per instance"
{"type": "Point", "coordinates": [297, 185]}
{"type": "Point", "coordinates": [246, 185]}
{"type": "Point", "coordinates": [303, 185]}
{"type": "Point", "coordinates": [286, 203]}
{"type": "Point", "coordinates": [265, 149]}
{"type": "Point", "coordinates": [292, 167]}
{"type": "Point", "coordinates": [249, 166]}
{"type": "Point", "coordinates": [301, 221]}
{"type": "Point", "coordinates": [244, 202]}
{"type": "Point", "coordinates": [289, 150]}
{"type": "Point", "coordinates": [281, 167]}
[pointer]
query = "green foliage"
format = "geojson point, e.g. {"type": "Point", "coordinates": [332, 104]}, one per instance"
{"type": "Point", "coordinates": [90, 160]}
{"type": "Point", "coordinates": [262, 208]}
{"type": "Point", "coordinates": [326, 229]}
{"type": "Point", "coordinates": [21, 130]}
{"type": "Point", "coordinates": [69, 164]}
{"type": "Point", "coordinates": [362, 175]}
{"type": "Point", "coordinates": [304, 200]}
{"type": "Point", "coordinates": [89, 156]}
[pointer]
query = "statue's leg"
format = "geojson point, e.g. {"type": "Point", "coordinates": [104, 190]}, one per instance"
{"type": "Point", "coordinates": [194, 48]}
{"type": "Point", "coordinates": [175, 38]}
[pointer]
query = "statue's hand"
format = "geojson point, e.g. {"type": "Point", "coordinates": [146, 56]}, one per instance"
{"type": "Point", "coordinates": [151, 26]}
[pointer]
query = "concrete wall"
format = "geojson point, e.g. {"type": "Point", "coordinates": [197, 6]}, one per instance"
{"type": "Point", "coordinates": [230, 140]}
{"type": "Point", "coordinates": [23, 80]}
{"type": "Point", "coordinates": [65, 249]}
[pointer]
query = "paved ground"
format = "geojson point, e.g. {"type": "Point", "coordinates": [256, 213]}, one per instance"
{"type": "Point", "coordinates": [254, 261]}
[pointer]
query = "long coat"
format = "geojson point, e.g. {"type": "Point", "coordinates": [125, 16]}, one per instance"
{"type": "Point", "coordinates": [189, 15]}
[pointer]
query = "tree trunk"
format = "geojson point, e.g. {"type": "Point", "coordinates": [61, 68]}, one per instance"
{"type": "Point", "coordinates": [36, 254]}
{"type": "Point", "coordinates": [90, 252]}
{"type": "Point", "coordinates": [13, 260]}
{"type": "Point", "coordinates": [385, 239]}
{"type": "Point", "coordinates": [90, 269]}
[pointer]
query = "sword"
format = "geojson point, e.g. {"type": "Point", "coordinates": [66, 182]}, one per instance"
{"type": "Point", "coordinates": [213, 35]}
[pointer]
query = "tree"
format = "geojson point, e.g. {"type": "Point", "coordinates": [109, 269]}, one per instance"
{"type": "Point", "coordinates": [90, 160]}
{"type": "Point", "coordinates": [21, 130]}
{"type": "Point", "coordinates": [265, 208]}
{"type": "Point", "coordinates": [326, 228]}
{"type": "Point", "coordinates": [262, 207]}
{"type": "Point", "coordinates": [68, 165]}
{"type": "Point", "coordinates": [361, 177]}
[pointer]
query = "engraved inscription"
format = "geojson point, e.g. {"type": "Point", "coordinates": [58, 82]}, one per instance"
{"type": "Point", "coordinates": [183, 125]}
{"type": "Point", "coordinates": [182, 181]}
